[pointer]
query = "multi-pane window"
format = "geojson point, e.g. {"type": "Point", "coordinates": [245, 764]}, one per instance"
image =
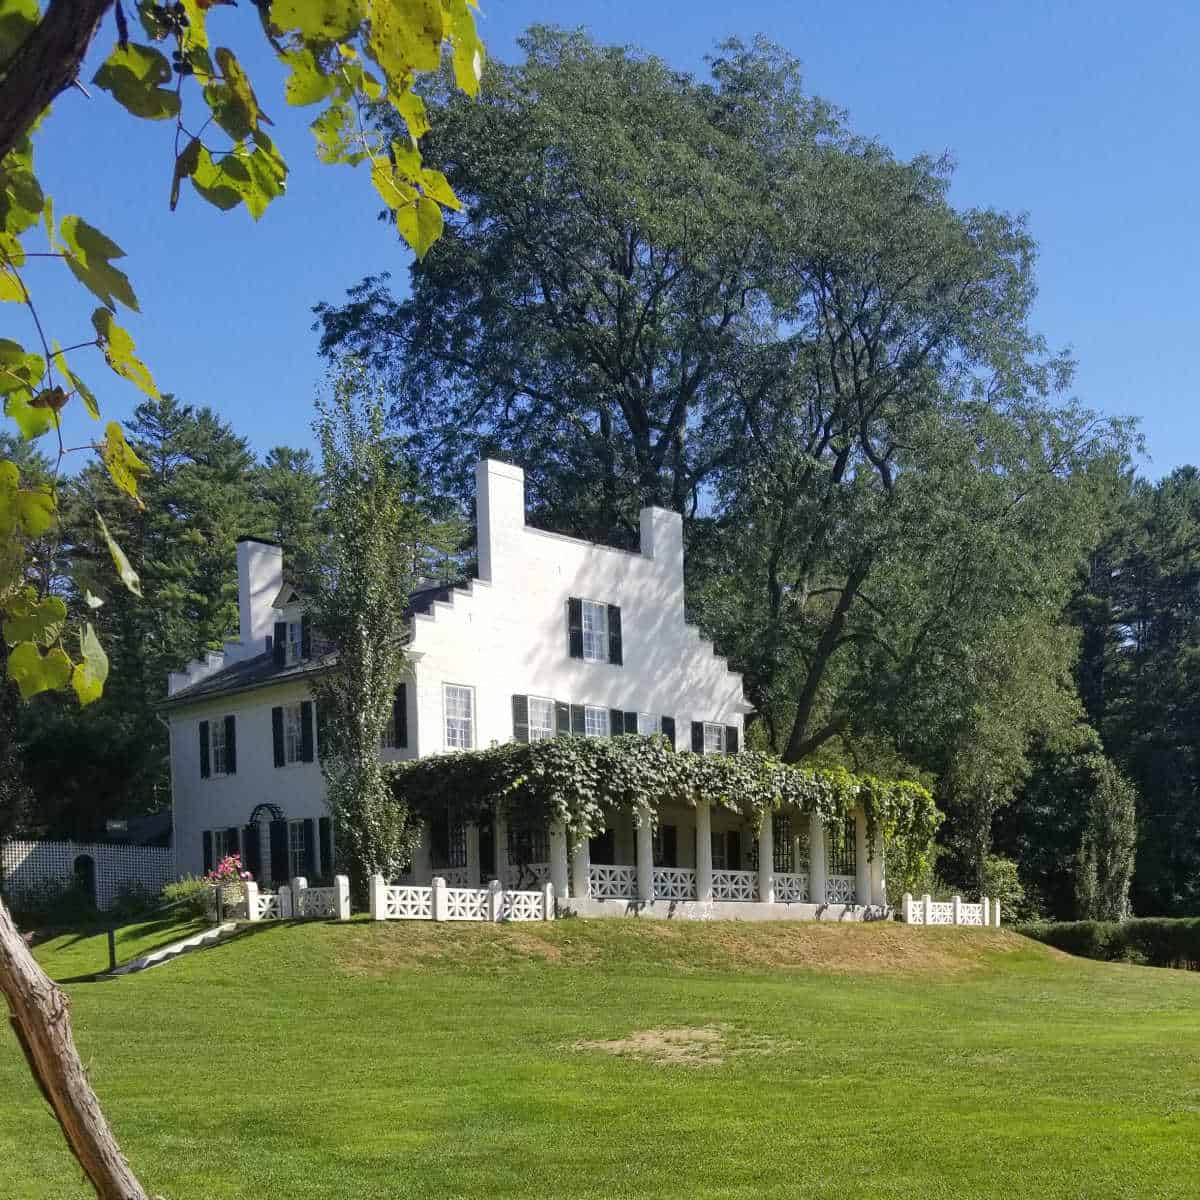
{"type": "Point", "coordinates": [387, 739]}
{"type": "Point", "coordinates": [460, 717]}
{"type": "Point", "coordinates": [293, 734]}
{"type": "Point", "coordinates": [297, 848]}
{"type": "Point", "coordinates": [781, 840]}
{"type": "Point", "coordinates": [541, 718]}
{"type": "Point", "coordinates": [595, 631]}
{"type": "Point", "coordinates": [295, 641]}
{"type": "Point", "coordinates": [719, 861]}
{"type": "Point", "coordinates": [596, 722]}
{"type": "Point", "coordinates": [843, 848]}
{"type": "Point", "coordinates": [647, 723]}
{"type": "Point", "coordinates": [714, 738]}
{"type": "Point", "coordinates": [217, 749]}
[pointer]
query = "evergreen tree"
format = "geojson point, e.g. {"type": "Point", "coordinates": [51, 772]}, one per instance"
{"type": "Point", "coordinates": [1108, 845]}
{"type": "Point", "coordinates": [288, 489]}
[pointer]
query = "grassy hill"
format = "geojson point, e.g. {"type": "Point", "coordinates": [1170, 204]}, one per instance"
{"type": "Point", "coordinates": [626, 1058]}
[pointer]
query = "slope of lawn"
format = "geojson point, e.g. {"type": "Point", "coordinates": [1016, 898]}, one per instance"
{"type": "Point", "coordinates": [628, 1058]}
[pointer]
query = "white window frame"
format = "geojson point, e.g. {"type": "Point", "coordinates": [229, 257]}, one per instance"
{"type": "Point", "coordinates": [649, 724]}
{"type": "Point", "coordinates": [594, 714]}
{"type": "Point", "coordinates": [715, 745]}
{"type": "Point", "coordinates": [595, 631]}
{"type": "Point", "coordinates": [387, 739]}
{"type": "Point", "coordinates": [297, 846]}
{"type": "Point", "coordinates": [217, 766]}
{"type": "Point", "coordinates": [295, 641]}
{"type": "Point", "coordinates": [456, 738]}
{"type": "Point", "coordinates": [545, 728]}
{"type": "Point", "coordinates": [293, 733]}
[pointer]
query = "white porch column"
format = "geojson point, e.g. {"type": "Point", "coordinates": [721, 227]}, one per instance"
{"type": "Point", "coordinates": [766, 860]}
{"type": "Point", "coordinates": [816, 859]}
{"type": "Point", "coordinates": [422, 867]}
{"type": "Point", "coordinates": [500, 833]}
{"type": "Point", "coordinates": [645, 858]}
{"type": "Point", "coordinates": [581, 870]}
{"type": "Point", "coordinates": [862, 868]}
{"type": "Point", "coordinates": [559, 871]}
{"type": "Point", "coordinates": [472, 839]}
{"type": "Point", "coordinates": [878, 874]}
{"type": "Point", "coordinates": [704, 892]}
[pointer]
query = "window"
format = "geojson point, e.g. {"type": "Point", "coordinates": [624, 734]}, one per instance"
{"type": "Point", "coordinates": [541, 719]}
{"type": "Point", "coordinates": [293, 734]}
{"type": "Point", "coordinates": [295, 641]}
{"type": "Point", "coordinates": [718, 852]}
{"type": "Point", "coordinates": [595, 721]}
{"type": "Point", "coordinates": [647, 724]}
{"type": "Point", "coordinates": [781, 842]}
{"type": "Point", "coordinates": [460, 717]}
{"type": "Point", "coordinates": [714, 738]}
{"type": "Point", "coordinates": [297, 848]}
{"type": "Point", "coordinates": [387, 739]}
{"type": "Point", "coordinates": [216, 748]}
{"type": "Point", "coordinates": [595, 631]}
{"type": "Point", "coordinates": [842, 857]}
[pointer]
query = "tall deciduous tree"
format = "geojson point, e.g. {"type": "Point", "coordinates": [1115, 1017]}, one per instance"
{"type": "Point", "coordinates": [1108, 844]}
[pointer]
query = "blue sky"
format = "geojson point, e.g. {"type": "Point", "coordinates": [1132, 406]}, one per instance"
{"type": "Point", "coordinates": [1084, 115]}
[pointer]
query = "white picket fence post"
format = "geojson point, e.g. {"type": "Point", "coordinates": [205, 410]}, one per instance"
{"type": "Point", "coordinates": [987, 918]}
{"type": "Point", "coordinates": [341, 895]}
{"type": "Point", "coordinates": [251, 900]}
{"type": "Point", "coordinates": [299, 887]}
{"type": "Point", "coordinates": [957, 902]}
{"type": "Point", "coordinates": [906, 905]}
{"type": "Point", "coordinates": [285, 902]}
{"type": "Point", "coordinates": [495, 900]}
{"type": "Point", "coordinates": [548, 901]}
{"type": "Point", "coordinates": [927, 909]}
{"type": "Point", "coordinates": [377, 891]}
{"type": "Point", "coordinates": [439, 898]}
{"type": "Point", "coordinates": [995, 912]}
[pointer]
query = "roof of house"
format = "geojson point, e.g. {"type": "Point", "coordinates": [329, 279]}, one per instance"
{"type": "Point", "coordinates": [263, 670]}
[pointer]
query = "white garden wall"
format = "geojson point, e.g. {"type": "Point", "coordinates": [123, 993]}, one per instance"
{"type": "Point", "coordinates": [27, 866]}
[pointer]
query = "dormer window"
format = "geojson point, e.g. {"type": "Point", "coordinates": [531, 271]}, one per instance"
{"type": "Point", "coordinates": [292, 642]}
{"type": "Point", "coordinates": [594, 631]}
{"type": "Point", "coordinates": [295, 641]}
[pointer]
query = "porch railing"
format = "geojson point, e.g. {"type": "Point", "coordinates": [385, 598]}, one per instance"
{"type": "Point", "coordinates": [735, 885]}
{"type": "Point", "coordinates": [612, 882]}
{"type": "Point", "coordinates": [839, 889]}
{"type": "Point", "coordinates": [674, 883]}
{"type": "Point", "coordinates": [530, 875]}
{"type": "Point", "coordinates": [792, 888]}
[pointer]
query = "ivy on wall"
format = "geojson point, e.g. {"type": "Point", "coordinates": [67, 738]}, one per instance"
{"type": "Point", "coordinates": [583, 781]}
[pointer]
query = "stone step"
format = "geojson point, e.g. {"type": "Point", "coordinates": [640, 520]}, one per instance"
{"type": "Point", "coordinates": [205, 937]}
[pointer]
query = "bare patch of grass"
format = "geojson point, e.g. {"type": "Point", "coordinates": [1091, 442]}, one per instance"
{"type": "Point", "coordinates": [699, 1047]}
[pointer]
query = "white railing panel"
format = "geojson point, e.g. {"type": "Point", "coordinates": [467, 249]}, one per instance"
{"type": "Point", "coordinates": [267, 907]}
{"type": "Point", "coordinates": [612, 882]}
{"type": "Point", "coordinates": [735, 885]}
{"type": "Point", "coordinates": [316, 903]}
{"type": "Point", "coordinates": [941, 912]}
{"type": "Point", "coordinates": [792, 888]}
{"type": "Point", "coordinates": [522, 906]}
{"type": "Point", "coordinates": [970, 914]}
{"type": "Point", "coordinates": [839, 889]}
{"type": "Point", "coordinates": [674, 883]}
{"type": "Point", "coordinates": [466, 904]}
{"type": "Point", "coordinates": [408, 904]}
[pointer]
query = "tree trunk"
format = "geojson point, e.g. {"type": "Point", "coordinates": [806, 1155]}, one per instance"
{"type": "Point", "coordinates": [45, 64]}
{"type": "Point", "coordinates": [40, 1016]}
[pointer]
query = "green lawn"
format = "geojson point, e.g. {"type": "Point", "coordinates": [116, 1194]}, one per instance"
{"type": "Point", "coordinates": [404, 1060]}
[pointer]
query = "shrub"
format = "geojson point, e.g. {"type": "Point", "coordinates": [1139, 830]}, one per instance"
{"type": "Point", "coordinates": [1152, 941]}
{"type": "Point", "coordinates": [1001, 882]}
{"type": "Point", "coordinates": [193, 894]}
{"type": "Point", "coordinates": [132, 899]}
{"type": "Point", "coordinates": [52, 901]}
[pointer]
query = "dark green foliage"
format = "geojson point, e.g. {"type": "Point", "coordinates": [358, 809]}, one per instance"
{"type": "Point", "coordinates": [1151, 941]}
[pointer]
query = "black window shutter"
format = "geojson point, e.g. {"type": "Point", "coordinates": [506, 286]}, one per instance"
{"type": "Point", "coordinates": [698, 736]}
{"type": "Point", "coordinates": [208, 851]}
{"type": "Point", "coordinates": [277, 734]}
{"type": "Point", "coordinates": [614, 635]}
{"type": "Point", "coordinates": [731, 739]}
{"type": "Point", "coordinates": [230, 745]}
{"type": "Point", "coordinates": [231, 841]}
{"type": "Point", "coordinates": [578, 724]}
{"type": "Point", "coordinates": [205, 770]}
{"type": "Point", "coordinates": [322, 732]}
{"type": "Point", "coordinates": [325, 830]}
{"type": "Point", "coordinates": [400, 712]}
{"type": "Point", "coordinates": [669, 846]}
{"type": "Point", "coordinates": [520, 711]}
{"type": "Point", "coordinates": [562, 717]}
{"type": "Point", "coordinates": [667, 724]}
{"type": "Point", "coordinates": [631, 722]}
{"type": "Point", "coordinates": [575, 626]}
{"type": "Point", "coordinates": [305, 636]}
{"type": "Point", "coordinates": [616, 722]}
{"type": "Point", "coordinates": [306, 731]}
{"type": "Point", "coordinates": [279, 851]}
{"type": "Point", "coordinates": [251, 850]}
{"type": "Point", "coordinates": [310, 849]}
{"type": "Point", "coordinates": [279, 648]}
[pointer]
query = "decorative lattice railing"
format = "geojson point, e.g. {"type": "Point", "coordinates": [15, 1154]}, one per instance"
{"type": "Point", "coordinates": [438, 902]}
{"type": "Point", "coordinates": [612, 882]}
{"type": "Point", "coordinates": [523, 906]}
{"type": "Point", "coordinates": [735, 885]}
{"type": "Point", "coordinates": [928, 911]}
{"type": "Point", "coordinates": [298, 900]}
{"type": "Point", "coordinates": [407, 904]}
{"type": "Point", "coordinates": [674, 883]}
{"type": "Point", "coordinates": [320, 904]}
{"type": "Point", "coordinates": [528, 876]}
{"type": "Point", "coordinates": [791, 888]}
{"type": "Point", "coordinates": [839, 889]}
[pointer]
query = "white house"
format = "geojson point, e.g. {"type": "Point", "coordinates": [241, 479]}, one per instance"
{"type": "Point", "coordinates": [556, 637]}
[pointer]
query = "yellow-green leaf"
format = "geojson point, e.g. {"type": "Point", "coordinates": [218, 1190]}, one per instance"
{"type": "Point", "coordinates": [468, 49]}
{"type": "Point", "coordinates": [25, 511]}
{"type": "Point", "coordinates": [318, 20]}
{"type": "Point", "coordinates": [134, 75]}
{"type": "Point", "coordinates": [17, 20]}
{"type": "Point", "coordinates": [185, 166]}
{"type": "Point", "coordinates": [307, 83]}
{"type": "Point", "coordinates": [129, 577]}
{"type": "Point", "coordinates": [89, 675]}
{"type": "Point", "coordinates": [394, 192]}
{"type": "Point", "coordinates": [10, 285]}
{"type": "Point", "coordinates": [435, 185]}
{"type": "Point", "coordinates": [30, 618]}
{"type": "Point", "coordinates": [123, 464]}
{"type": "Point", "coordinates": [412, 108]}
{"type": "Point", "coordinates": [231, 98]}
{"type": "Point", "coordinates": [21, 199]}
{"type": "Point", "coordinates": [420, 224]}
{"type": "Point", "coordinates": [212, 182]}
{"type": "Point", "coordinates": [117, 347]}
{"type": "Point", "coordinates": [20, 371]}
{"type": "Point", "coordinates": [406, 36]}
{"type": "Point", "coordinates": [34, 672]}
{"type": "Point", "coordinates": [77, 384]}
{"type": "Point", "coordinates": [90, 256]}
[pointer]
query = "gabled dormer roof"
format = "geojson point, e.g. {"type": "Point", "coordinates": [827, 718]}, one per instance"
{"type": "Point", "coordinates": [287, 595]}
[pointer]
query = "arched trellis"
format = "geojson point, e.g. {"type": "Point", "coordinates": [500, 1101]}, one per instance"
{"type": "Point", "coordinates": [265, 811]}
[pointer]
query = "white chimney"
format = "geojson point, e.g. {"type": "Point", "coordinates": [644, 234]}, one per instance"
{"type": "Point", "coordinates": [260, 577]}
{"type": "Point", "coordinates": [499, 512]}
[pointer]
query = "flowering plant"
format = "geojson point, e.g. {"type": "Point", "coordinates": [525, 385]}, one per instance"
{"type": "Point", "coordinates": [228, 870]}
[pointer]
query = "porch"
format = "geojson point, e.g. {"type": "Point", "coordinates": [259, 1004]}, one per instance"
{"type": "Point", "coordinates": [701, 863]}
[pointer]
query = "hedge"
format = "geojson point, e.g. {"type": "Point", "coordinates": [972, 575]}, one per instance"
{"type": "Point", "coordinates": [1151, 941]}
{"type": "Point", "coordinates": [580, 780]}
